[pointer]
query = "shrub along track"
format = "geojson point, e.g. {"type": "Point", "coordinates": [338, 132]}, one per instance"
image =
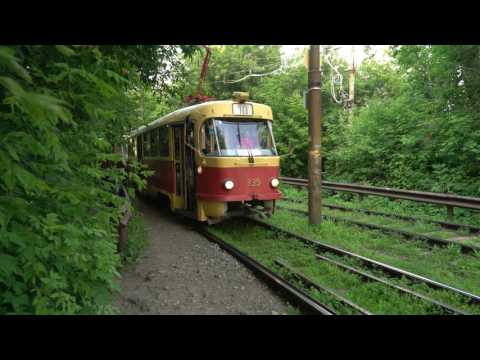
{"type": "Point", "coordinates": [376, 292]}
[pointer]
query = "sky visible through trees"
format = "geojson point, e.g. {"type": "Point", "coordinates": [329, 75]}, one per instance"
{"type": "Point", "coordinates": [344, 51]}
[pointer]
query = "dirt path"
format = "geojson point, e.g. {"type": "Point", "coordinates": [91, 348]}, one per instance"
{"type": "Point", "coordinates": [181, 272]}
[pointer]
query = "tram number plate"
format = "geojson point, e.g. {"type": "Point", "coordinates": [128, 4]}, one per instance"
{"type": "Point", "coordinates": [254, 181]}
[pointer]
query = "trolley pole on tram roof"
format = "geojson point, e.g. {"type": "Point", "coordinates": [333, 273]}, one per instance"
{"type": "Point", "coordinates": [315, 133]}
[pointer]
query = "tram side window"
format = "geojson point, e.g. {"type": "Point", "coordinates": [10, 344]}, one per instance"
{"type": "Point", "coordinates": [139, 148]}
{"type": "Point", "coordinates": [163, 142]}
{"type": "Point", "coordinates": [146, 144]}
{"type": "Point", "coordinates": [154, 142]}
{"type": "Point", "coordinates": [132, 148]}
{"type": "Point", "coordinates": [177, 138]}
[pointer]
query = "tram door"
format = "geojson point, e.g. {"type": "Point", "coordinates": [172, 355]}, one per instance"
{"type": "Point", "coordinates": [178, 159]}
{"type": "Point", "coordinates": [190, 171]}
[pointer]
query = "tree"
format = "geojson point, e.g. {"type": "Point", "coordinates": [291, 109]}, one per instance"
{"type": "Point", "coordinates": [62, 109]}
{"type": "Point", "coordinates": [417, 124]}
{"type": "Point", "coordinates": [230, 63]}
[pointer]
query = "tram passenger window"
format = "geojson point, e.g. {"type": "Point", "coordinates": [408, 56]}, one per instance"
{"type": "Point", "coordinates": [139, 148]}
{"type": "Point", "coordinates": [163, 141]}
{"type": "Point", "coordinates": [130, 147]}
{"type": "Point", "coordinates": [146, 144]}
{"type": "Point", "coordinates": [154, 142]}
{"type": "Point", "coordinates": [177, 135]}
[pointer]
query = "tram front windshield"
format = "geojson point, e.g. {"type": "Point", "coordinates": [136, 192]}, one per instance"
{"type": "Point", "coordinates": [231, 137]}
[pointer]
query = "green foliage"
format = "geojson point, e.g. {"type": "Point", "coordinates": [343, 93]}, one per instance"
{"type": "Point", "coordinates": [284, 93]}
{"type": "Point", "coordinates": [137, 239]}
{"type": "Point", "coordinates": [62, 108]}
{"type": "Point", "coordinates": [414, 125]}
{"type": "Point", "coordinates": [418, 127]}
{"type": "Point", "coordinates": [230, 63]}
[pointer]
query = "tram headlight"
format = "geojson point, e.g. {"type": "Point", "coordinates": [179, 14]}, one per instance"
{"type": "Point", "coordinates": [199, 169]}
{"type": "Point", "coordinates": [275, 182]}
{"type": "Point", "coordinates": [229, 184]}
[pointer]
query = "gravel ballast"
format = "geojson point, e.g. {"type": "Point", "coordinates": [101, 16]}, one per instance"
{"type": "Point", "coordinates": [181, 272]}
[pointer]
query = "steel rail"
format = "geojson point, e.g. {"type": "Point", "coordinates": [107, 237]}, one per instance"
{"type": "Point", "coordinates": [368, 277]}
{"type": "Point", "coordinates": [308, 282]}
{"type": "Point", "coordinates": [451, 200]}
{"type": "Point", "coordinates": [466, 249]}
{"type": "Point", "coordinates": [387, 269]}
{"type": "Point", "coordinates": [447, 225]}
{"type": "Point", "coordinates": [299, 297]}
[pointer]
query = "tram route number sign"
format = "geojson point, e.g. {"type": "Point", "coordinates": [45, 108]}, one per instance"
{"type": "Point", "coordinates": [242, 109]}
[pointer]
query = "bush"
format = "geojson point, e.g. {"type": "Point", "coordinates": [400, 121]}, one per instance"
{"type": "Point", "coordinates": [137, 239]}
{"type": "Point", "coordinates": [62, 109]}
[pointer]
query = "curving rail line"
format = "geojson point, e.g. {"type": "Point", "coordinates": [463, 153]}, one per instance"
{"type": "Point", "coordinates": [300, 298]}
{"type": "Point", "coordinates": [445, 224]}
{"type": "Point", "coordinates": [449, 200]}
{"type": "Point", "coordinates": [373, 264]}
{"type": "Point", "coordinates": [464, 248]}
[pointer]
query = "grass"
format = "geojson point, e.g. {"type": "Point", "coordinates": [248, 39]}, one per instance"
{"type": "Point", "coordinates": [446, 265]}
{"type": "Point", "coordinates": [292, 310]}
{"type": "Point", "coordinates": [417, 227]}
{"type": "Point", "coordinates": [266, 246]}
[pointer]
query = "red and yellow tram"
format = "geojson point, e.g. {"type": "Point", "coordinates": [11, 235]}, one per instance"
{"type": "Point", "coordinates": [212, 160]}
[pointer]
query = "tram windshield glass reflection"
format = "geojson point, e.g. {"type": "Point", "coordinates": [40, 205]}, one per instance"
{"type": "Point", "coordinates": [226, 137]}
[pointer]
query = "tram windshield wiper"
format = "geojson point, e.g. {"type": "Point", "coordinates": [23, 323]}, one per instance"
{"type": "Point", "coordinates": [251, 159]}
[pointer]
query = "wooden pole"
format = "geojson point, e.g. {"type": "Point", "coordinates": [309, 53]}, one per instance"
{"type": "Point", "coordinates": [351, 81]}
{"type": "Point", "coordinates": [315, 130]}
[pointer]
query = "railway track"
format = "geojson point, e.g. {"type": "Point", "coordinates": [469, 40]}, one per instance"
{"type": "Point", "coordinates": [449, 200]}
{"type": "Point", "coordinates": [312, 284]}
{"type": "Point", "coordinates": [388, 270]}
{"type": "Point", "coordinates": [466, 249]}
{"type": "Point", "coordinates": [444, 224]}
{"type": "Point", "coordinates": [277, 283]}
{"type": "Point", "coordinates": [310, 305]}
{"type": "Point", "coordinates": [297, 296]}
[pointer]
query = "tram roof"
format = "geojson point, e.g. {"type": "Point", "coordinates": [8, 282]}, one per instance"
{"type": "Point", "coordinates": [206, 110]}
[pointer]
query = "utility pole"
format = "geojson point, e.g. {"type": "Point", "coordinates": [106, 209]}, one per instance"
{"type": "Point", "coordinates": [315, 133]}
{"type": "Point", "coordinates": [351, 82]}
